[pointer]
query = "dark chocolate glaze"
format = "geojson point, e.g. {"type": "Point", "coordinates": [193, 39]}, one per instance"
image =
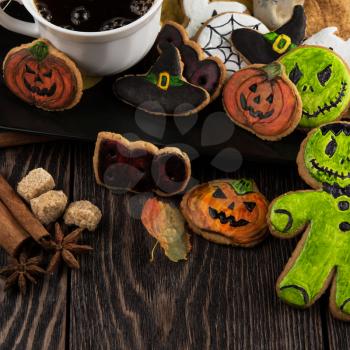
{"type": "Point", "coordinates": [254, 47]}
{"type": "Point", "coordinates": [204, 73]}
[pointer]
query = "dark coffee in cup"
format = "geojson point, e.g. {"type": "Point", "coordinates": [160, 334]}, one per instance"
{"type": "Point", "coordinates": [92, 15]}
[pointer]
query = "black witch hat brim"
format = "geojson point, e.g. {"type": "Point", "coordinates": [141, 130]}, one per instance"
{"type": "Point", "coordinates": [175, 101]}
{"type": "Point", "coordinates": [253, 46]}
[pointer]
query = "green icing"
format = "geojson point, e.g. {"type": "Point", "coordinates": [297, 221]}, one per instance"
{"type": "Point", "coordinates": [323, 81]}
{"type": "Point", "coordinates": [40, 50]}
{"type": "Point", "coordinates": [174, 80]}
{"type": "Point", "coordinates": [326, 245]}
{"type": "Point", "coordinates": [327, 156]}
{"type": "Point", "coordinates": [243, 186]}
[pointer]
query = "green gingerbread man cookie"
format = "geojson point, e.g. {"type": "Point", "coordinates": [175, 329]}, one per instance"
{"type": "Point", "coordinates": [322, 256]}
{"type": "Point", "coordinates": [323, 81]}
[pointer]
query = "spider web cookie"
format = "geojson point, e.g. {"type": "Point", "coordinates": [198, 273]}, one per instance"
{"type": "Point", "coordinates": [215, 38]}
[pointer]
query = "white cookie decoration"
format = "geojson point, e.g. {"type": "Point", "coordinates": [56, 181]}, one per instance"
{"type": "Point", "coordinates": [327, 38]}
{"type": "Point", "coordinates": [200, 11]}
{"type": "Point", "coordinates": [215, 38]}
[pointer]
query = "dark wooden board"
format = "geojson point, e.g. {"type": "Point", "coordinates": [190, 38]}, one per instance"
{"type": "Point", "coordinates": [221, 298]}
{"type": "Point", "coordinates": [37, 320]}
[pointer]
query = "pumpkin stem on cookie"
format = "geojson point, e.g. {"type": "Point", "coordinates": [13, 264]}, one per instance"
{"type": "Point", "coordinates": [40, 50]}
{"type": "Point", "coordinates": [242, 186]}
{"type": "Point", "coordinates": [273, 70]}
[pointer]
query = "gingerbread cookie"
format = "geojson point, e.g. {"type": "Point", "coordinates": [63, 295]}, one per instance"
{"type": "Point", "coordinates": [326, 13]}
{"type": "Point", "coordinates": [163, 90]}
{"type": "Point", "coordinates": [139, 166]}
{"type": "Point", "coordinates": [329, 38]}
{"type": "Point", "coordinates": [206, 72]}
{"type": "Point", "coordinates": [231, 212]}
{"type": "Point", "coordinates": [322, 215]}
{"type": "Point", "coordinates": [266, 48]}
{"type": "Point", "coordinates": [200, 11]}
{"type": "Point", "coordinates": [172, 11]}
{"type": "Point", "coordinates": [275, 13]}
{"type": "Point", "coordinates": [323, 81]}
{"type": "Point", "coordinates": [262, 100]}
{"type": "Point", "coordinates": [42, 76]}
{"type": "Point", "coordinates": [215, 38]}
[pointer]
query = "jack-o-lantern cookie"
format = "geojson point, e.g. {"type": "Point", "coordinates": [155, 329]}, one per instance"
{"type": "Point", "coordinates": [323, 82]}
{"type": "Point", "coordinates": [42, 76]}
{"type": "Point", "coordinates": [200, 11]}
{"type": "Point", "coordinates": [163, 90]}
{"type": "Point", "coordinates": [139, 166]}
{"type": "Point", "coordinates": [207, 72]}
{"type": "Point", "coordinates": [258, 47]}
{"type": "Point", "coordinates": [215, 38]}
{"type": "Point", "coordinates": [231, 212]}
{"type": "Point", "coordinates": [330, 39]}
{"type": "Point", "coordinates": [262, 100]}
{"type": "Point", "coordinates": [322, 215]}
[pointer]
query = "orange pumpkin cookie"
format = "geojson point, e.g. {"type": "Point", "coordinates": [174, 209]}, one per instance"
{"type": "Point", "coordinates": [262, 100]}
{"type": "Point", "coordinates": [231, 212]}
{"type": "Point", "coordinates": [42, 76]}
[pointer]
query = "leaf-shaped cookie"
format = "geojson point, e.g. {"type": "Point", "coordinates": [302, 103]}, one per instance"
{"type": "Point", "coordinates": [165, 223]}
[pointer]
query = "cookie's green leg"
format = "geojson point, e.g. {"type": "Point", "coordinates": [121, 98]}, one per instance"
{"type": "Point", "coordinates": [342, 294]}
{"type": "Point", "coordinates": [310, 273]}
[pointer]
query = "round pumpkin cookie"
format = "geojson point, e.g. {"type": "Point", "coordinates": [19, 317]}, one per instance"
{"type": "Point", "coordinates": [42, 76]}
{"type": "Point", "coordinates": [262, 100]}
{"type": "Point", "coordinates": [231, 212]}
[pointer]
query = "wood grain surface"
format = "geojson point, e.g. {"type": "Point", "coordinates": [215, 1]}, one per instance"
{"type": "Point", "coordinates": [221, 298]}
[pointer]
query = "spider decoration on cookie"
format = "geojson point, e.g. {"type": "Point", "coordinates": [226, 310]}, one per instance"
{"type": "Point", "coordinates": [227, 212]}
{"type": "Point", "coordinates": [215, 38]}
{"type": "Point", "coordinates": [207, 72]}
{"type": "Point", "coordinates": [42, 76]}
{"type": "Point", "coordinates": [323, 216]}
{"type": "Point", "coordinates": [258, 47]}
{"type": "Point", "coordinates": [323, 81]}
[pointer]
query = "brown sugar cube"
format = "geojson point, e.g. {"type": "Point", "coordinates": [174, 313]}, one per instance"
{"type": "Point", "coordinates": [35, 183]}
{"type": "Point", "coordinates": [83, 214]}
{"type": "Point", "coordinates": [49, 206]}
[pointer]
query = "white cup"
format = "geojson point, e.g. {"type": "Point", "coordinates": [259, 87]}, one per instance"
{"type": "Point", "coordinates": [96, 53]}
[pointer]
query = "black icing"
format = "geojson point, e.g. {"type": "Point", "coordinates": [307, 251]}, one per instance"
{"type": "Point", "coordinates": [204, 73]}
{"type": "Point", "coordinates": [344, 304]}
{"type": "Point", "coordinates": [344, 226]}
{"type": "Point", "coordinates": [295, 74]}
{"type": "Point", "coordinates": [331, 147]}
{"type": "Point", "coordinates": [231, 220]}
{"type": "Point", "coordinates": [290, 219]}
{"type": "Point", "coordinates": [325, 75]}
{"type": "Point", "coordinates": [336, 191]}
{"type": "Point", "coordinates": [343, 205]}
{"type": "Point", "coordinates": [250, 206]}
{"type": "Point", "coordinates": [336, 129]}
{"type": "Point", "coordinates": [252, 111]}
{"type": "Point", "coordinates": [328, 171]}
{"type": "Point", "coordinates": [219, 194]}
{"type": "Point", "coordinates": [256, 49]}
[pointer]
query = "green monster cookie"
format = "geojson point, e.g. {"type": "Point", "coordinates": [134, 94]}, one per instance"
{"type": "Point", "coordinates": [323, 81]}
{"type": "Point", "coordinates": [323, 216]}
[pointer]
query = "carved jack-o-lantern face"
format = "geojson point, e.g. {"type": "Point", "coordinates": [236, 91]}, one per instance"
{"type": "Point", "coordinates": [40, 75]}
{"type": "Point", "coordinates": [230, 208]}
{"type": "Point", "coordinates": [263, 100]}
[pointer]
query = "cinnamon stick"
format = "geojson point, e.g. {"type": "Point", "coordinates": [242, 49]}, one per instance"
{"type": "Point", "coordinates": [22, 213]}
{"type": "Point", "coordinates": [12, 235]}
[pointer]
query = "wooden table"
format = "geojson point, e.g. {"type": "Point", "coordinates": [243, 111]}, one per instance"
{"type": "Point", "coordinates": [221, 298]}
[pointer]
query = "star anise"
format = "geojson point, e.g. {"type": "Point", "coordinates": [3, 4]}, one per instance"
{"type": "Point", "coordinates": [65, 247]}
{"type": "Point", "coordinates": [20, 270]}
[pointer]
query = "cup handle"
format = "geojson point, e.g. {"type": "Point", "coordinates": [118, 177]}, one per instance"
{"type": "Point", "coordinates": [15, 25]}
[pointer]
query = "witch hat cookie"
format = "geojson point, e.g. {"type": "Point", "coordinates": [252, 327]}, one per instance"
{"type": "Point", "coordinates": [163, 90]}
{"type": "Point", "coordinates": [258, 48]}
